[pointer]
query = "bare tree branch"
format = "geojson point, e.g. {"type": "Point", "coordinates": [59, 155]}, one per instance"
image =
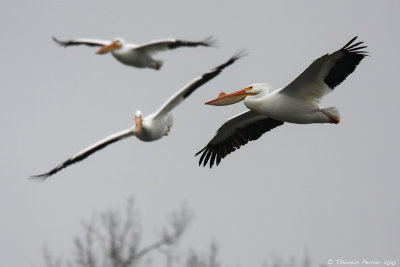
{"type": "Point", "coordinates": [196, 260]}
{"type": "Point", "coordinates": [48, 258]}
{"type": "Point", "coordinates": [113, 240]}
{"type": "Point", "coordinates": [178, 223]}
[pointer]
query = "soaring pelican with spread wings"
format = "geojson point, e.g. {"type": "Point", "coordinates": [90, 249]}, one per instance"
{"type": "Point", "coordinates": [139, 56]}
{"type": "Point", "coordinates": [149, 128]}
{"type": "Point", "coordinates": [298, 102]}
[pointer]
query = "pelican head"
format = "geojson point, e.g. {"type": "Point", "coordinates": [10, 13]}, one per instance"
{"type": "Point", "coordinates": [116, 44]}
{"type": "Point", "coordinates": [227, 99]}
{"type": "Point", "coordinates": [138, 121]}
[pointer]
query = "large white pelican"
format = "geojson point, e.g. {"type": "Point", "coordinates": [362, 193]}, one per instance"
{"type": "Point", "coordinates": [298, 102]}
{"type": "Point", "coordinates": [150, 128]}
{"type": "Point", "coordinates": [139, 56]}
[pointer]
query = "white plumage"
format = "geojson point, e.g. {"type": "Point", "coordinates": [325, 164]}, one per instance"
{"type": "Point", "coordinates": [139, 56]}
{"type": "Point", "coordinates": [149, 128]}
{"type": "Point", "coordinates": [298, 102]}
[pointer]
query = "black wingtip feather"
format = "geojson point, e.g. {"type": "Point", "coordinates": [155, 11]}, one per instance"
{"type": "Point", "coordinates": [214, 72]}
{"type": "Point", "coordinates": [44, 176]}
{"type": "Point", "coordinates": [214, 153]}
{"type": "Point", "coordinates": [200, 151]}
{"type": "Point", "coordinates": [207, 42]}
{"type": "Point", "coordinates": [354, 48]}
{"type": "Point", "coordinates": [75, 159]}
{"type": "Point", "coordinates": [344, 66]}
{"type": "Point", "coordinates": [208, 156]}
{"type": "Point", "coordinates": [212, 159]}
{"type": "Point", "coordinates": [58, 42]}
{"type": "Point", "coordinates": [202, 155]}
{"type": "Point", "coordinates": [39, 178]}
{"type": "Point", "coordinates": [347, 44]}
{"type": "Point", "coordinates": [210, 41]}
{"type": "Point", "coordinates": [240, 53]}
{"type": "Point", "coordinates": [219, 157]}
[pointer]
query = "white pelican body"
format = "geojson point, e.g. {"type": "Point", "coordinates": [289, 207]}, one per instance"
{"type": "Point", "coordinates": [298, 102]}
{"type": "Point", "coordinates": [154, 127]}
{"type": "Point", "coordinates": [139, 56]}
{"type": "Point", "coordinates": [150, 128]}
{"type": "Point", "coordinates": [129, 56]}
{"type": "Point", "coordinates": [285, 108]}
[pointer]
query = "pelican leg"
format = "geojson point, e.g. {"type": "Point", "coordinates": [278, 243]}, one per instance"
{"type": "Point", "coordinates": [167, 131]}
{"type": "Point", "coordinates": [332, 117]}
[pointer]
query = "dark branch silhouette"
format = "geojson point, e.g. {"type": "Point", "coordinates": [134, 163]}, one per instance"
{"type": "Point", "coordinates": [113, 239]}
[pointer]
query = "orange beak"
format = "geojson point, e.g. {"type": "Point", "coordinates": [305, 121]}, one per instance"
{"type": "Point", "coordinates": [108, 48]}
{"type": "Point", "coordinates": [138, 123]}
{"type": "Point", "coordinates": [228, 99]}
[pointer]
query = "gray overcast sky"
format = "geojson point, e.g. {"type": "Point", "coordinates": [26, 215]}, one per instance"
{"type": "Point", "coordinates": [331, 188]}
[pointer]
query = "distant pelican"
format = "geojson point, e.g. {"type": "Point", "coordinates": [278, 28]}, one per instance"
{"type": "Point", "coordinates": [150, 128]}
{"type": "Point", "coordinates": [139, 56]}
{"type": "Point", "coordinates": [298, 102]}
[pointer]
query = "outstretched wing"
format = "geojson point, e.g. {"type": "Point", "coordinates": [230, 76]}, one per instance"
{"type": "Point", "coordinates": [167, 44]}
{"type": "Point", "coordinates": [326, 72]}
{"type": "Point", "coordinates": [86, 153]}
{"type": "Point", "coordinates": [88, 42]}
{"type": "Point", "coordinates": [182, 94]}
{"type": "Point", "coordinates": [234, 133]}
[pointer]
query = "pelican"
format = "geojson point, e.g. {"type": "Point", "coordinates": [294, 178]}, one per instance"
{"type": "Point", "coordinates": [139, 56]}
{"type": "Point", "coordinates": [151, 127]}
{"type": "Point", "coordinates": [298, 102]}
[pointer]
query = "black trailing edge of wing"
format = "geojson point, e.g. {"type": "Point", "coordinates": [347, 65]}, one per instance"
{"type": "Point", "coordinates": [73, 160]}
{"type": "Point", "coordinates": [216, 152]}
{"type": "Point", "coordinates": [71, 42]}
{"type": "Point", "coordinates": [209, 41]}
